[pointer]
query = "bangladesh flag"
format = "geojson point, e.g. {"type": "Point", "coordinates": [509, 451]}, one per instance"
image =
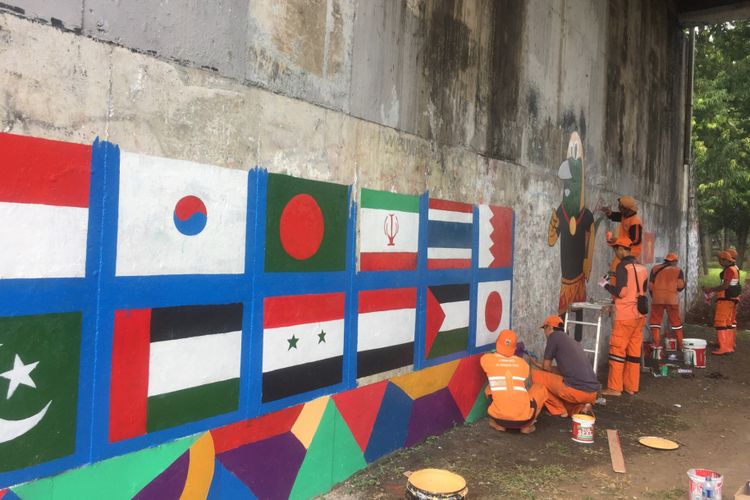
{"type": "Point", "coordinates": [388, 231]}
{"type": "Point", "coordinates": [305, 225]}
{"type": "Point", "coordinates": [173, 365]}
{"type": "Point", "coordinates": [39, 361]}
{"type": "Point", "coordinates": [447, 329]}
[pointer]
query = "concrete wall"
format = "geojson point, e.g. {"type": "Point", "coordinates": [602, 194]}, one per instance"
{"type": "Point", "coordinates": [472, 100]}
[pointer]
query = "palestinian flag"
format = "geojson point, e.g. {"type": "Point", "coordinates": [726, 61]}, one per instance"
{"type": "Point", "coordinates": [493, 311]}
{"type": "Point", "coordinates": [180, 217]}
{"type": "Point", "coordinates": [495, 236]}
{"type": "Point", "coordinates": [449, 234]}
{"type": "Point", "coordinates": [305, 225]}
{"type": "Point", "coordinates": [173, 365]}
{"type": "Point", "coordinates": [303, 343]}
{"type": "Point", "coordinates": [385, 330]}
{"type": "Point", "coordinates": [44, 207]}
{"type": "Point", "coordinates": [447, 328]}
{"type": "Point", "coordinates": [388, 231]}
{"type": "Point", "coordinates": [39, 363]}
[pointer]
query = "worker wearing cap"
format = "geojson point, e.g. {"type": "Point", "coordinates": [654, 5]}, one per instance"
{"type": "Point", "coordinates": [571, 383]}
{"type": "Point", "coordinates": [516, 403]}
{"type": "Point", "coordinates": [665, 282]}
{"type": "Point", "coordinates": [733, 252]}
{"type": "Point", "coordinates": [627, 330]}
{"type": "Point", "coordinates": [727, 298]}
{"type": "Point", "coordinates": [630, 227]}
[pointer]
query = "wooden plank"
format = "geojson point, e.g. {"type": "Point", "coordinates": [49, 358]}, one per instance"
{"type": "Point", "coordinates": [615, 451]}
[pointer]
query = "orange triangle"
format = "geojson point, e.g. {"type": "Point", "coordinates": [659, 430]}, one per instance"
{"type": "Point", "coordinates": [360, 407]}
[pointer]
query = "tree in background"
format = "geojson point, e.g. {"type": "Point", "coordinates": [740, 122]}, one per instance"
{"type": "Point", "coordinates": [721, 132]}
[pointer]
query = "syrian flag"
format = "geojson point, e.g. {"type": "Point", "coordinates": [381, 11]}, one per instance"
{"type": "Point", "coordinates": [385, 330]}
{"type": "Point", "coordinates": [44, 207]}
{"type": "Point", "coordinates": [303, 343]}
{"type": "Point", "coordinates": [180, 217]}
{"type": "Point", "coordinates": [493, 311]}
{"type": "Point", "coordinates": [447, 328]}
{"type": "Point", "coordinates": [449, 234]}
{"type": "Point", "coordinates": [495, 236]}
{"type": "Point", "coordinates": [388, 231]}
{"type": "Point", "coordinates": [173, 365]}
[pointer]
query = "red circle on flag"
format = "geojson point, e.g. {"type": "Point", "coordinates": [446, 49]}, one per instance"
{"type": "Point", "coordinates": [301, 227]}
{"type": "Point", "coordinates": [493, 311]}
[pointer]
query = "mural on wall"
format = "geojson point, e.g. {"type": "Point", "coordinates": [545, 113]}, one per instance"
{"type": "Point", "coordinates": [495, 236]}
{"type": "Point", "coordinates": [173, 365]}
{"type": "Point", "coordinates": [449, 234]}
{"type": "Point", "coordinates": [44, 201]}
{"type": "Point", "coordinates": [447, 328]}
{"type": "Point", "coordinates": [493, 310]}
{"type": "Point", "coordinates": [385, 330]}
{"type": "Point", "coordinates": [179, 217]}
{"type": "Point", "coordinates": [38, 388]}
{"type": "Point", "coordinates": [306, 225]}
{"type": "Point", "coordinates": [388, 231]}
{"type": "Point", "coordinates": [649, 244]}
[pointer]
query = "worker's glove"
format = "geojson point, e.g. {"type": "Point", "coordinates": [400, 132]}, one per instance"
{"type": "Point", "coordinates": [603, 281]}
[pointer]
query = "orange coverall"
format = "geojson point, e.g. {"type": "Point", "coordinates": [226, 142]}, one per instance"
{"type": "Point", "coordinates": [513, 406]}
{"type": "Point", "coordinates": [561, 399]}
{"type": "Point", "coordinates": [726, 310]}
{"type": "Point", "coordinates": [630, 227]}
{"type": "Point", "coordinates": [665, 282]}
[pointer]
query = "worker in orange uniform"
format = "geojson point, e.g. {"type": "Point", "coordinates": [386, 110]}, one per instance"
{"type": "Point", "coordinates": [733, 252]}
{"type": "Point", "coordinates": [727, 298]}
{"type": "Point", "coordinates": [516, 403]}
{"type": "Point", "coordinates": [630, 227]}
{"type": "Point", "coordinates": [571, 383]}
{"type": "Point", "coordinates": [664, 283]}
{"type": "Point", "coordinates": [629, 320]}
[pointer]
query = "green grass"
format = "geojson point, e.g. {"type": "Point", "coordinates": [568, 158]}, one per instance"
{"type": "Point", "coordinates": [712, 277]}
{"type": "Point", "coordinates": [670, 494]}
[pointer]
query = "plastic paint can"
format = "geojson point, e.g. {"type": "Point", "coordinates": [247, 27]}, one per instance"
{"type": "Point", "coordinates": [698, 346]}
{"type": "Point", "coordinates": [696, 480]}
{"type": "Point", "coordinates": [671, 343]}
{"type": "Point", "coordinates": [656, 353]}
{"type": "Point", "coordinates": [583, 428]}
{"type": "Point", "coordinates": [436, 484]}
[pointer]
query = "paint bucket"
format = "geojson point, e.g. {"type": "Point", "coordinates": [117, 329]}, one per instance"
{"type": "Point", "coordinates": [696, 480]}
{"type": "Point", "coordinates": [656, 353]}
{"type": "Point", "coordinates": [671, 343]}
{"type": "Point", "coordinates": [434, 484]}
{"type": "Point", "coordinates": [583, 428]}
{"type": "Point", "coordinates": [698, 346]}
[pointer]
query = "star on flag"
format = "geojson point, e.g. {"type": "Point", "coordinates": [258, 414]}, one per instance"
{"type": "Point", "coordinates": [19, 375]}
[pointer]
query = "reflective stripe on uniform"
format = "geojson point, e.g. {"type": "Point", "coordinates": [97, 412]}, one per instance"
{"type": "Point", "coordinates": [618, 358]}
{"type": "Point", "coordinates": [677, 327]}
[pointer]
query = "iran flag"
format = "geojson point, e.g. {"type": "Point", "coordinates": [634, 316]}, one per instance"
{"type": "Point", "coordinates": [44, 201]}
{"type": "Point", "coordinates": [180, 217]}
{"type": "Point", "coordinates": [388, 231]}
{"type": "Point", "coordinates": [493, 311]}
{"type": "Point", "coordinates": [303, 343]}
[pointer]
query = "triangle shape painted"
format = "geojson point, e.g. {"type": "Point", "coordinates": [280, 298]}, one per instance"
{"type": "Point", "coordinates": [359, 408]}
{"type": "Point", "coordinates": [226, 485]}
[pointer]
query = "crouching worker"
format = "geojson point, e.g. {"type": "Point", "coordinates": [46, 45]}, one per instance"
{"type": "Point", "coordinates": [514, 405]}
{"type": "Point", "coordinates": [572, 383]}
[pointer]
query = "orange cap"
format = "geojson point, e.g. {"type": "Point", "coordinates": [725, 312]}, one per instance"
{"type": "Point", "coordinates": [726, 256]}
{"type": "Point", "coordinates": [506, 343]}
{"type": "Point", "coordinates": [628, 202]}
{"type": "Point", "coordinates": [553, 321]}
{"type": "Point", "coordinates": [621, 241]}
{"type": "Point", "coordinates": [671, 257]}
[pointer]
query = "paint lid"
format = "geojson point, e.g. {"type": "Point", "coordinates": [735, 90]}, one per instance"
{"type": "Point", "coordinates": [582, 417]}
{"type": "Point", "coordinates": [658, 443]}
{"type": "Point", "coordinates": [437, 481]}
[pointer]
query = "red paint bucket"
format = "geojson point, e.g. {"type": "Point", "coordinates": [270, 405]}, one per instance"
{"type": "Point", "coordinates": [671, 343]}
{"type": "Point", "coordinates": [583, 428]}
{"type": "Point", "coordinates": [697, 352]}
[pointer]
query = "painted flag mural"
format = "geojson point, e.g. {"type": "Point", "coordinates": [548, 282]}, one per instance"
{"type": "Point", "coordinates": [173, 365]}
{"type": "Point", "coordinates": [495, 236]}
{"type": "Point", "coordinates": [493, 310]}
{"type": "Point", "coordinates": [388, 231]}
{"type": "Point", "coordinates": [449, 234]}
{"type": "Point", "coordinates": [303, 343]}
{"type": "Point", "coordinates": [44, 207]}
{"type": "Point", "coordinates": [180, 217]}
{"type": "Point", "coordinates": [39, 364]}
{"type": "Point", "coordinates": [385, 330]}
{"type": "Point", "coordinates": [305, 225]}
{"type": "Point", "coordinates": [447, 328]}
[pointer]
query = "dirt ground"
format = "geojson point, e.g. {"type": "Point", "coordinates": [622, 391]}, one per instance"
{"type": "Point", "coordinates": [708, 414]}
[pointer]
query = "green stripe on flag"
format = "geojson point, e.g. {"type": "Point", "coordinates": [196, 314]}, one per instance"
{"type": "Point", "coordinates": [449, 342]}
{"type": "Point", "coordinates": [190, 405]}
{"type": "Point", "coordinates": [389, 201]}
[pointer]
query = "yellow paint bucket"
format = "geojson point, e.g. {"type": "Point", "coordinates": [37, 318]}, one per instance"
{"type": "Point", "coordinates": [434, 484]}
{"type": "Point", "coordinates": [583, 428]}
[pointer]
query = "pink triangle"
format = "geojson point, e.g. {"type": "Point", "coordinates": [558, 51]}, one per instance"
{"type": "Point", "coordinates": [359, 408]}
{"type": "Point", "coordinates": [435, 317]}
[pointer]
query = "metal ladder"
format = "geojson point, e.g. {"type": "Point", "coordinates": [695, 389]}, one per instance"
{"type": "Point", "coordinates": [593, 306]}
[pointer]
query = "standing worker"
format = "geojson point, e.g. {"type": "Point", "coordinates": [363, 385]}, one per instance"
{"type": "Point", "coordinates": [627, 332]}
{"type": "Point", "coordinates": [727, 298]}
{"type": "Point", "coordinates": [572, 384]}
{"type": "Point", "coordinates": [733, 252]}
{"type": "Point", "coordinates": [665, 282]}
{"type": "Point", "coordinates": [631, 227]}
{"type": "Point", "coordinates": [515, 402]}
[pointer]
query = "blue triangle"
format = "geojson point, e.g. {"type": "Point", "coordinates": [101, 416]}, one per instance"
{"type": "Point", "coordinates": [391, 425]}
{"type": "Point", "coordinates": [226, 485]}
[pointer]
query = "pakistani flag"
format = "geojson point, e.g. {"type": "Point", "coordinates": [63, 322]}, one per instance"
{"type": "Point", "coordinates": [388, 231]}
{"type": "Point", "coordinates": [39, 360]}
{"type": "Point", "coordinates": [447, 328]}
{"type": "Point", "coordinates": [303, 343]}
{"type": "Point", "coordinates": [305, 225]}
{"type": "Point", "coordinates": [173, 365]}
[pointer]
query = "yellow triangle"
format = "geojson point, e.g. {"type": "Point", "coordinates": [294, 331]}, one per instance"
{"type": "Point", "coordinates": [426, 381]}
{"type": "Point", "coordinates": [309, 418]}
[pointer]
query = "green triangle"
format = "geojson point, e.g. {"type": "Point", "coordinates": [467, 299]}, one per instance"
{"type": "Point", "coordinates": [332, 457]}
{"type": "Point", "coordinates": [479, 409]}
{"type": "Point", "coordinates": [116, 478]}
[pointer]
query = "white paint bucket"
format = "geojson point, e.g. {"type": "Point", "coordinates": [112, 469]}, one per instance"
{"type": "Point", "coordinates": [696, 483]}
{"type": "Point", "coordinates": [583, 428]}
{"type": "Point", "coordinates": [697, 356]}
